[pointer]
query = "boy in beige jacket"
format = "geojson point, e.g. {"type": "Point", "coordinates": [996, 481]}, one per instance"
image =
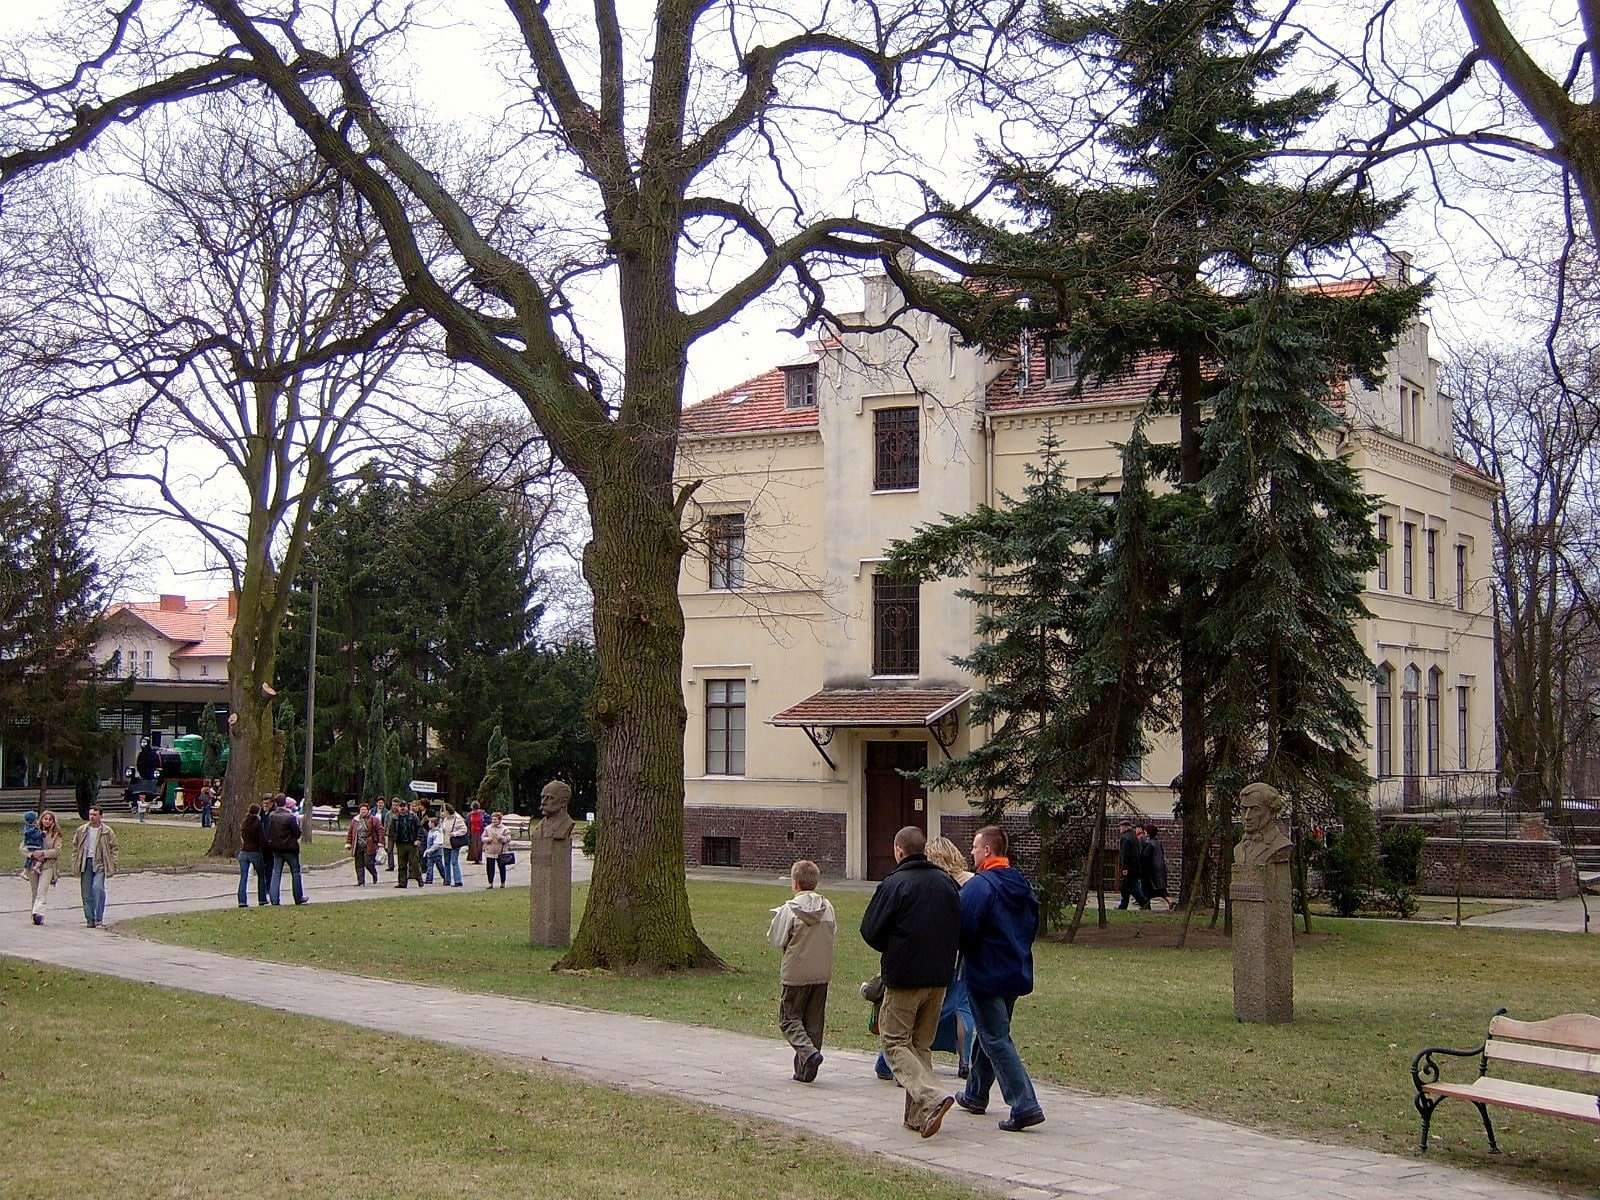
{"type": "Point", "coordinates": [803, 929]}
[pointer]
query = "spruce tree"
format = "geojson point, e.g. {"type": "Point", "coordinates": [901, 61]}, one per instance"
{"type": "Point", "coordinates": [1193, 254]}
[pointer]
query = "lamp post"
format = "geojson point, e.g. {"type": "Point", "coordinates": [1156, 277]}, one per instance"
{"type": "Point", "coordinates": [311, 708]}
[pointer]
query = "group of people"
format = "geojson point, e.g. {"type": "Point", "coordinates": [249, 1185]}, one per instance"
{"type": "Point", "coordinates": [419, 845]}
{"type": "Point", "coordinates": [1143, 864]}
{"type": "Point", "coordinates": [269, 845]}
{"type": "Point", "coordinates": [939, 930]}
{"type": "Point", "coordinates": [94, 860]}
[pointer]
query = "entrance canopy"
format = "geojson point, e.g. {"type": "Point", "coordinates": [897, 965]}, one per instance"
{"type": "Point", "coordinates": [819, 715]}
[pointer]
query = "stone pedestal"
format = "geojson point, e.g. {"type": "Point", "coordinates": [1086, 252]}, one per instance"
{"type": "Point", "coordinates": [1263, 944]}
{"type": "Point", "coordinates": [550, 892]}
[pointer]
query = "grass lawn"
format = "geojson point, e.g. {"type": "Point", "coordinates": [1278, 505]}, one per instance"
{"type": "Point", "coordinates": [167, 844]}
{"type": "Point", "coordinates": [1146, 1022]}
{"type": "Point", "coordinates": [123, 1089]}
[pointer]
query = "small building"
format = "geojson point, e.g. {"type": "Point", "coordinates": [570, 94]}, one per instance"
{"type": "Point", "coordinates": [812, 681]}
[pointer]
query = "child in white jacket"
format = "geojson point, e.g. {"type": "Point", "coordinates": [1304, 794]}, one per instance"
{"type": "Point", "coordinates": [803, 929]}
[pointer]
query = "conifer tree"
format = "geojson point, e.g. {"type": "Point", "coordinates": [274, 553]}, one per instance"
{"type": "Point", "coordinates": [1189, 254]}
{"type": "Point", "coordinates": [375, 779]}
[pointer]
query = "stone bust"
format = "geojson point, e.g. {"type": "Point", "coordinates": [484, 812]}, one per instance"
{"type": "Point", "coordinates": [1264, 841]}
{"type": "Point", "coordinates": [553, 801]}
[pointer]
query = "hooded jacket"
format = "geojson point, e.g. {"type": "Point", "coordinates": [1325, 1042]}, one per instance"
{"type": "Point", "coordinates": [914, 922]}
{"type": "Point", "coordinates": [999, 918]}
{"type": "Point", "coordinates": [803, 929]}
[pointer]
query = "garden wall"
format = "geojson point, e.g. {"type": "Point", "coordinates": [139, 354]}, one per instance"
{"type": "Point", "coordinates": [1520, 867]}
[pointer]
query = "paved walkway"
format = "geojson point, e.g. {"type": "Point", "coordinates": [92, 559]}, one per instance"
{"type": "Point", "coordinates": [1090, 1146]}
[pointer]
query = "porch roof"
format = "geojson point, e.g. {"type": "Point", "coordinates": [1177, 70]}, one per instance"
{"type": "Point", "coordinates": [832, 708]}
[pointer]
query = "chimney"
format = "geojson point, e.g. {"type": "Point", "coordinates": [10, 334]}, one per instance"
{"type": "Point", "coordinates": [1397, 267]}
{"type": "Point", "coordinates": [173, 604]}
{"type": "Point", "coordinates": [233, 604]}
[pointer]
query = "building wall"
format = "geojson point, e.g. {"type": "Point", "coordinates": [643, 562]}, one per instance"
{"type": "Point", "coordinates": [817, 528]}
{"type": "Point", "coordinates": [1535, 870]}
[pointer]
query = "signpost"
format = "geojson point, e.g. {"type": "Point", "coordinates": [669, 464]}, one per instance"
{"type": "Point", "coordinates": [423, 787]}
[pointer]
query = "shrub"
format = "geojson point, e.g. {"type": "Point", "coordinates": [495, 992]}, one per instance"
{"type": "Point", "coordinates": [1347, 871]}
{"type": "Point", "coordinates": [1402, 854]}
{"type": "Point", "coordinates": [590, 832]}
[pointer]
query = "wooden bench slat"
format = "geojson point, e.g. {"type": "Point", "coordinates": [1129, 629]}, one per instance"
{"type": "Point", "coordinates": [1578, 1030]}
{"type": "Point", "coordinates": [1525, 1097]}
{"type": "Point", "coordinates": [1543, 1056]}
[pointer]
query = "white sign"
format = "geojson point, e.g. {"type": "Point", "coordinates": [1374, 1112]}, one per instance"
{"type": "Point", "coordinates": [423, 788]}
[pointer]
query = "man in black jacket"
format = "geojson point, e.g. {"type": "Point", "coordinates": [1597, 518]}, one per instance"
{"type": "Point", "coordinates": [283, 839]}
{"type": "Point", "coordinates": [914, 922]}
{"type": "Point", "coordinates": [1128, 852]}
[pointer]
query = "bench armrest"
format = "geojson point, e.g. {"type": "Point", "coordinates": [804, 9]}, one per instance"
{"type": "Point", "coordinates": [1425, 1070]}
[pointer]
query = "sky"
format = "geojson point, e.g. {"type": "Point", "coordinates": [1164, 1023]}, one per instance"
{"type": "Point", "coordinates": [1461, 237]}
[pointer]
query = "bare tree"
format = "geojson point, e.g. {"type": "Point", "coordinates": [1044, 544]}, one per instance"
{"type": "Point", "coordinates": [239, 336]}
{"type": "Point", "coordinates": [680, 146]}
{"type": "Point", "coordinates": [1527, 428]}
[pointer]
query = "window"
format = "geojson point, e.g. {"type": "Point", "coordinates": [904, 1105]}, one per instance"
{"type": "Point", "coordinates": [719, 852]}
{"type": "Point", "coordinates": [149, 664]}
{"type": "Point", "coordinates": [1433, 564]}
{"type": "Point", "coordinates": [1411, 722]}
{"type": "Point", "coordinates": [724, 727]}
{"type": "Point", "coordinates": [1384, 720]}
{"type": "Point", "coordinates": [1408, 537]}
{"type": "Point", "coordinates": [1433, 721]}
{"type": "Point", "coordinates": [725, 550]}
{"type": "Point", "coordinates": [800, 387]}
{"type": "Point", "coordinates": [1383, 554]}
{"type": "Point", "coordinates": [895, 633]}
{"type": "Point", "coordinates": [1060, 361]}
{"type": "Point", "coordinates": [205, 671]}
{"type": "Point", "coordinates": [1461, 577]}
{"type": "Point", "coordinates": [1461, 728]}
{"type": "Point", "coordinates": [894, 437]}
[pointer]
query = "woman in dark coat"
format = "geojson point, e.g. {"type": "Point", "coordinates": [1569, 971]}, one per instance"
{"type": "Point", "coordinates": [1153, 865]}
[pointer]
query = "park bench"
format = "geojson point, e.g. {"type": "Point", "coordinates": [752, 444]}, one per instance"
{"type": "Point", "coordinates": [1566, 1043]}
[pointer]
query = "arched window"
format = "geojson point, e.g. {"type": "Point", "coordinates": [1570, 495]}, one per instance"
{"type": "Point", "coordinates": [1411, 722]}
{"type": "Point", "coordinates": [1383, 720]}
{"type": "Point", "coordinates": [1434, 676]}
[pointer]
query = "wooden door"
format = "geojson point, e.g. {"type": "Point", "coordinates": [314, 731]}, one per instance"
{"type": "Point", "coordinates": [893, 801]}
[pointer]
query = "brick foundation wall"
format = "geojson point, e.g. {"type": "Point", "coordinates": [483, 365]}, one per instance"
{"type": "Point", "coordinates": [770, 839]}
{"type": "Point", "coordinates": [1532, 870]}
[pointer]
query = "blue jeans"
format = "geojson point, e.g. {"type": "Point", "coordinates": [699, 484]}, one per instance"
{"type": "Point", "coordinates": [248, 859]}
{"type": "Point", "coordinates": [431, 860]}
{"type": "Point", "coordinates": [92, 883]}
{"type": "Point", "coordinates": [995, 1057]}
{"type": "Point", "coordinates": [450, 865]}
{"type": "Point", "coordinates": [278, 861]}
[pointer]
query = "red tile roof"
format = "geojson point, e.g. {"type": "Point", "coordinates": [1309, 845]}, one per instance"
{"type": "Point", "coordinates": [881, 707]}
{"type": "Point", "coordinates": [756, 405]}
{"type": "Point", "coordinates": [1138, 385]}
{"type": "Point", "coordinates": [204, 625]}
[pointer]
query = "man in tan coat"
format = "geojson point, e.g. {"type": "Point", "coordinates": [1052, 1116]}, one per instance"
{"type": "Point", "coordinates": [94, 858]}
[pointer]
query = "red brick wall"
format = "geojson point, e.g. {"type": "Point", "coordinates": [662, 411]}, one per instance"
{"type": "Point", "coordinates": [770, 839]}
{"type": "Point", "coordinates": [1498, 867]}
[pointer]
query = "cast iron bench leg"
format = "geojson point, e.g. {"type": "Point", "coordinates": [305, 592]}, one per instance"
{"type": "Point", "coordinates": [1483, 1111]}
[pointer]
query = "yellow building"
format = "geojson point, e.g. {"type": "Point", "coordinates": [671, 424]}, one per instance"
{"type": "Point", "coordinates": [811, 680]}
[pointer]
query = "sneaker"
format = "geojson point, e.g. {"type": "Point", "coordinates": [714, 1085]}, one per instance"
{"type": "Point", "coordinates": [970, 1106]}
{"type": "Point", "coordinates": [886, 1076]}
{"type": "Point", "coordinates": [38, 918]}
{"type": "Point", "coordinates": [808, 1069]}
{"type": "Point", "coordinates": [1018, 1124]}
{"type": "Point", "coordinates": [931, 1125]}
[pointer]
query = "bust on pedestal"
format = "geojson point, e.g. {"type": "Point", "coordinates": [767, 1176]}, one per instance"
{"type": "Point", "coordinates": [550, 870]}
{"type": "Point", "coordinates": [1263, 912]}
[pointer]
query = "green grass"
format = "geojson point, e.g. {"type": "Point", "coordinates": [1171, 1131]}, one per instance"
{"type": "Point", "coordinates": [164, 846]}
{"type": "Point", "coordinates": [122, 1089]}
{"type": "Point", "coordinates": [1145, 1022]}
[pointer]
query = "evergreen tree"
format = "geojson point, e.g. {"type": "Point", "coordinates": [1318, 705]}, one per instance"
{"type": "Point", "coordinates": [375, 779]}
{"type": "Point", "coordinates": [52, 609]}
{"type": "Point", "coordinates": [1068, 669]}
{"type": "Point", "coordinates": [1186, 257]}
{"type": "Point", "coordinates": [211, 743]}
{"type": "Point", "coordinates": [494, 793]}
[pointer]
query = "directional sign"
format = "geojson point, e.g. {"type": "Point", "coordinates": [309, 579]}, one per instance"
{"type": "Point", "coordinates": [423, 788]}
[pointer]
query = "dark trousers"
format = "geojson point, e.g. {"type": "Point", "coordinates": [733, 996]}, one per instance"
{"type": "Point", "coordinates": [802, 1008]}
{"type": "Point", "coordinates": [410, 864]}
{"type": "Point", "coordinates": [1132, 887]}
{"type": "Point", "coordinates": [366, 862]}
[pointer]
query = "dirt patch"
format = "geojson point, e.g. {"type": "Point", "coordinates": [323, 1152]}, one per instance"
{"type": "Point", "coordinates": [1123, 935]}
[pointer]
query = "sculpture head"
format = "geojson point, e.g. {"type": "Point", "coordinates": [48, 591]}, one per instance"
{"type": "Point", "coordinates": [555, 797]}
{"type": "Point", "coordinates": [1259, 805]}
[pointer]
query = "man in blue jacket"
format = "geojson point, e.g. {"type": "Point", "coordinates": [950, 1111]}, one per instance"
{"type": "Point", "coordinates": [914, 922]}
{"type": "Point", "coordinates": [999, 918]}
